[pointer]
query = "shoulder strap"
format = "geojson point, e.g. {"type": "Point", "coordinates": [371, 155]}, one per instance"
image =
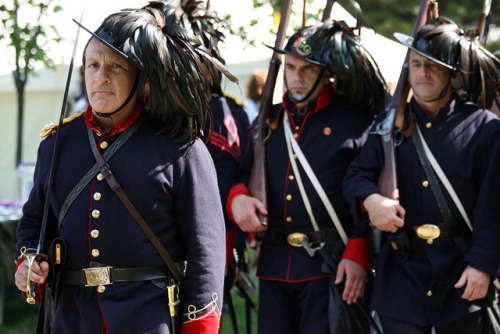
{"type": "Point", "coordinates": [95, 169]}
{"type": "Point", "coordinates": [115, 186]}
{"type": "Point", "coordinates": [444, 179]}
{"type": "Point", "coordinates": [292, 144]}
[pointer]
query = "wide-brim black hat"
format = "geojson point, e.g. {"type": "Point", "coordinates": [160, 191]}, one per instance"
{"type": "Point", "coordinates": [420, 47]}
{"type": "Point", "coordinates": [105, 37]}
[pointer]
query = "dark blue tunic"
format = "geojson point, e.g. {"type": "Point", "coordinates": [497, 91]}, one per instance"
{"type": "Point", "coordinates": [174, 188]}
{"type": "Point", "coordinates": [466, 143]}
{"type": "Point", "coordinates": [330, 136]}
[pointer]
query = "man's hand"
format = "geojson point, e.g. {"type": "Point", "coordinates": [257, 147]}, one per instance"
{"type": "Point", "coordinates": [244, 210]}
{"type": "Point", "coordinates": [385, 213]}
{"type": "Point", "coordinates": [477, 283]}
{"type": "Point", "coordinates": [39, 273]}
{"type": "Point", "coordinates": [355, 280]}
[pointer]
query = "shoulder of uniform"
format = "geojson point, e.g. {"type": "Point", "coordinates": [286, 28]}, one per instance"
{"type": "Point", "coordinates": [51, 128]}
{"type": "Point", "coordinates": [235, 98]}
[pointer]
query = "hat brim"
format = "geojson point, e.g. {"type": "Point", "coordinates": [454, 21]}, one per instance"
{"type": "Point", "coordinates": [408, 42]}
{"type": "Point", "coordinates": [295, 55]}
{"type": "Point", "coordinates": [136, 63]}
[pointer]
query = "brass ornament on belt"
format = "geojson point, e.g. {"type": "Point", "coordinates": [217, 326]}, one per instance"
{"type": "Point", "coordinates": [297, 239]}
{"type": "Point", "coordinates": [428, 232]}
{"type": "Point", "coordinates": [97, 276]}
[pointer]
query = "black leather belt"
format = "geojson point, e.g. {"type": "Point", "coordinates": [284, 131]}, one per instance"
{"type": "Point", "coordinates": [105, 275]}
{"type": "Point", "coordinates": [430, 232]}
{"type": "Point", "coordinates": [316, 237]}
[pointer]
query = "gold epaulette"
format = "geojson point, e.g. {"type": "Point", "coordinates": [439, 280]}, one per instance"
{"type": "Point", "coordinates": [236, 99]}
{"type": "Point", "coordinates": [51, 128]}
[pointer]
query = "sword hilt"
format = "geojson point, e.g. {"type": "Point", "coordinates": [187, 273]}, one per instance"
{"type": "Point", "coordinates": [32, 287]}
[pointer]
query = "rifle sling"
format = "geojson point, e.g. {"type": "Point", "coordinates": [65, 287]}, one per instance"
{"type": "Point", "coordinates": [115, 186]}
{"type": "Point", "coordinates": [95, 169]}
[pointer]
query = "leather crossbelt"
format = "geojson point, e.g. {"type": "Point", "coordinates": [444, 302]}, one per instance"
{"type": "Point", "coordinates": [316, 237]}
{"type": "Point", "coordinates": [106, 275]}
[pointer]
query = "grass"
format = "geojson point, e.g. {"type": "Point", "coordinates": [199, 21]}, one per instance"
{"type": "Point", "coordinates": [20, 317]}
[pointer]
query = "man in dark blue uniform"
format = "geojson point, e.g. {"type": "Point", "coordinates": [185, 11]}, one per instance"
{"type": "Point", "coordinates": [437, 272]}
{"type": "Point", "coordinates": [163, 168]}
{"type": "Point", "coordinates": [328, 108]}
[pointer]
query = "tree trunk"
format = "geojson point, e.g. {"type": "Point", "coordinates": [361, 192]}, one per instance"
{"type": "Point", "coordinates": [20, 85]}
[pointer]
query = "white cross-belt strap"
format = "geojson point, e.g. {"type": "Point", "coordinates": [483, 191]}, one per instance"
{"type": "Point", "coordinates": [293, 145]}
{"type": "Point", "coordinates": [444, 179]}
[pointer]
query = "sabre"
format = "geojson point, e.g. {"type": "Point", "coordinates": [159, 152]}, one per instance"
{"type": "Point", "coordinates": [31, 288]}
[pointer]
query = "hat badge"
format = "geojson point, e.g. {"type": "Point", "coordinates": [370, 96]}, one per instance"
{"type": "Point", "coordinates": [302, 47]}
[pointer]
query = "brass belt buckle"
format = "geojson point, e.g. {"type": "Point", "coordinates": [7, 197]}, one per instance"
{"type": "Point", "coordinates": [97, 276]}
{"type": "Point", "coordinates": [297, 239]}
{"type": "Point", "coordinates": [428, 232]}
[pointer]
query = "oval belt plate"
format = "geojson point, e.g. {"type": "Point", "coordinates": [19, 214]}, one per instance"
{"type": "Point", "coordinates": [428, 231]}
{"type": "Point", "coordinates": [297, 239]}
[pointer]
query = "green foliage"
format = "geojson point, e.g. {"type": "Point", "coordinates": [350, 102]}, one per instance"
{"type": "Point", "coordinates": [389, 16]}
{"type": "Point", "coordinates": [29, 38]}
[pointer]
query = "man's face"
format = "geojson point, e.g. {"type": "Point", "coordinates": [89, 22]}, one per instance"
{"type": "Point", "coordinates": [427, 78]}
{"type": "Point", "coordinates": [300, 78]}
{"type": "Point", "coordinates": [109, 78]}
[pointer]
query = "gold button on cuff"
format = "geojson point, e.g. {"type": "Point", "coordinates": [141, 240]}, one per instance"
{"type": "Point", "coordinates": [428, 125]}
{"type": "Point", "coordinates": [96, 213]}
{"type": "Point", "coordinates": [94, 234]}
{"type": "Point", "coordinates": [103, 145]}
{"type": "Point", "coordinates": [101, 288]}
{"type": "Point", "coordinates": [288, 197]}
{"type": "Point", "coordinates": [97, 196]}
{"type": "Point", "coordinates": [289, 219]}
{"type": "Point", "coordinates": [100, 177]}
{"type": "Point", "coordinates": [425, 184]}
{"type": "Point", "coordinates": [429, 293]}
{"type": "Point", "coordinates": [291, 177]}
{"type": "Point", "coordinates": [95, 253]}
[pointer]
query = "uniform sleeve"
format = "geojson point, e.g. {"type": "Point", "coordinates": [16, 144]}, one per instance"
{"type": "Point", "coordinates": [484, 253]}
{"type": "Point", "coordinates": [199, 210]}
{"type": "Point", "coordinates": [362, 177]}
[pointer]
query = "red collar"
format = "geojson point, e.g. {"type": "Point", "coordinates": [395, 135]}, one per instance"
{"type": "Point", "coordinates": [322, 100]}
{"type": "Point", "coordinates": [122, 126]}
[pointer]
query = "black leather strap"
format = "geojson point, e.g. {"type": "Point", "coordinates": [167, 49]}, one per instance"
{"type": "Point", "coordinates": [435, 187]}
{"type": "Point", "coordinates": [117, 274]}
{"type": "Point", "coordinates": [316, 237]}
{"type": "Point", "coordinates": [115, 186]}
{"type": "Point", "coordinates": [95, 169]}
{"type": "Point", "coordinates": [447, 230]}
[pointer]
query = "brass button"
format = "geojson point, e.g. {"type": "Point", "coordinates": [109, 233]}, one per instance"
{"type": "Point", "coordinates": [429, 293]}
{"type": "Point", "coordinates": [94, 234]}
{"type": "Point", "coordinates": [295, 156]}
{"type": "Point", "coordinates": [297, 128]}
{"type": "Point", "coordinates": [425, 184]}
{"type": "Point", "coordinates": [104, 144]}
{"type": "Point", "coordinates": [101, 288]}
{"type": "Point", "coordinates": [291, 177]}
{"type": "Point", "coordinates": [100, 177]}
{"type": "Point", "coordinates": [95, 253]}
{"type": "Point", "coordinates": [289, 219]}
{"type": "Point", "coordinates": [96, 213]}
{"type": "Point", "coordinates": [428, 125]}
{"type": "Point", "coordinates": [288, 197]}
{"type": "Point", "coordinates": [97, 196]}
{"type": "Point", "coordinates": [295, 135]}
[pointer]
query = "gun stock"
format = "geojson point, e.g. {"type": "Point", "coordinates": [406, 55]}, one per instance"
{"type": "Point", "coordinates": [395, 116]}
{"type": "Point", "coordinates": [257, 183]}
